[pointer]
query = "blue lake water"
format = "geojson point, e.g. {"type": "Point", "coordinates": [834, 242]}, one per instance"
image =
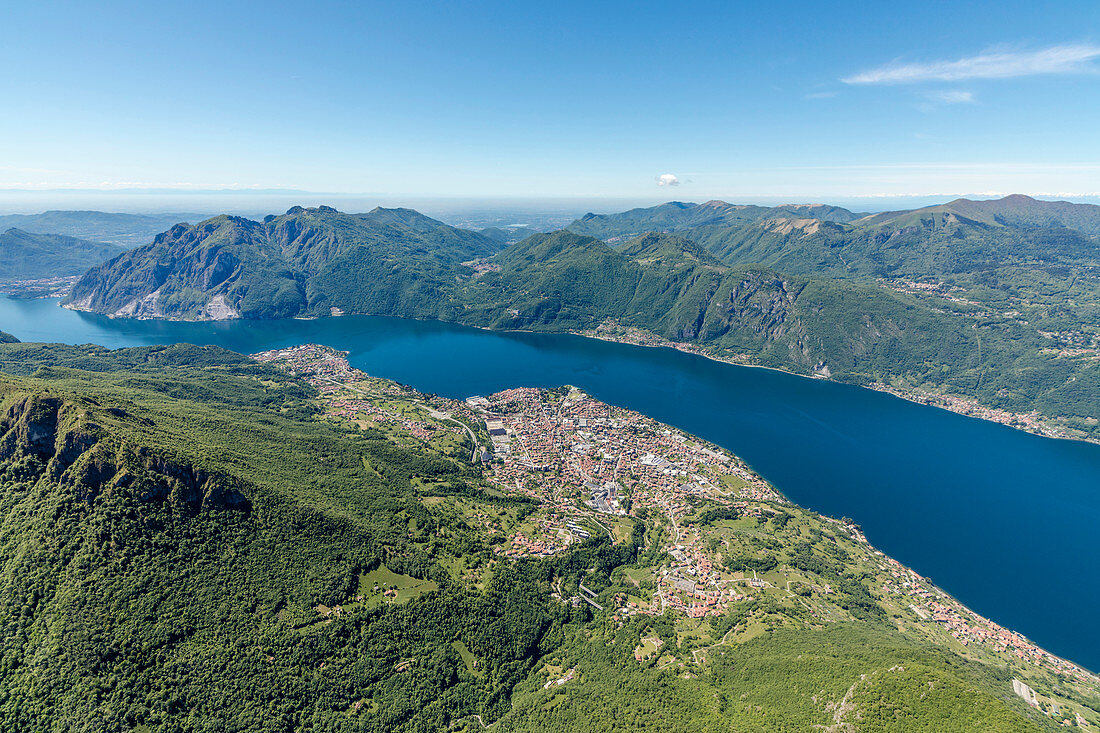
{"type": "Point", "coordinates": [1003, 520]}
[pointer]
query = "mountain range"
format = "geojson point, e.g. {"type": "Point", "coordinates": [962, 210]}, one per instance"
{"type": "Point", "coordinates": [305, 262]}
{"type": "Point", "coordinates": [960, 238]}
{"type": "Point", "coordinates": [997, 301]}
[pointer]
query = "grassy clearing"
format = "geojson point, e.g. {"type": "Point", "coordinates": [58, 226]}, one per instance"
{"type": "Point", "coordinates": [373, 587]}
{"type": "Point", "coordinates": [730, 482]}
{"type": "Point", "coordinates": [468, 659]}
{"type": "Point", "coordinates": [621, 528]}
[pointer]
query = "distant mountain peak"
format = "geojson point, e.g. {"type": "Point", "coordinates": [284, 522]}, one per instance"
{"type": "Point", "coordinates": [394, 210]}
{"type": "Point", "coordinates": [296, 210]}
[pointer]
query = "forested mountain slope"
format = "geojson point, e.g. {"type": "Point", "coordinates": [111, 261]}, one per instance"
{"type": "Point", "coordinates": [167, 532]}
{"type": "Point", "coordinates": [672, 287]}
{"type": "Point", "coordinates": [124, 230]}
{"type": "Point", "coordinates": [677, 216]}
{"type": "Point", "coordinates": [934, 243]}
{"type": "Point", "coordinates": [306, 262]}
{"type": "Point", "coordinates": [1014, 211]}
{"type": "Point", "coordinates": [184, 542]}
{"type": "Point", "coordinates": [854, 330]}
{"type": "Point", "coordinates": [27, 256]}
{"type": "Point", "coordinates": [962, 237]}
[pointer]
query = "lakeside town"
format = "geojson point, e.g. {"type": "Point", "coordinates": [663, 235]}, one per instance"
{"type": "Point", "coordinates": [596, 468]}
{"type": "Point", "coordinates": [41, 287]}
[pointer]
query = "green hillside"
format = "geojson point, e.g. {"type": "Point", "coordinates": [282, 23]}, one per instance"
{"type": "Point", "coordinates": [996, 300]}
{"type": "Point", "coordinates": [306, 262]}
{"type": "Point", "coordinates": [677, 216]}
{"type": "Point", "coordinates": [168, 532]}
{"type": "Point", "coordinates": [183, 543]}
{"type": "Point", "coordinates": [124, 230]}
{"type": "Point", "coordinates": [27, 256]}
{"type": "Point", "coordinates": [1013, 211]}
{"type": "Point", "coordinates": [920, 244]}
{"type": "Point", "coordinates": [962, 237]}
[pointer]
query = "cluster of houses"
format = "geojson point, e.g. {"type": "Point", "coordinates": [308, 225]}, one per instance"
{"type": "Point", "coordinates": [328, 371]}
{"type": "Point", "coordinates": [312, 360]}
{"type": "Point", "coordinates": [966, 626]}
{"type": "Point", "coordinates": [602, 452]}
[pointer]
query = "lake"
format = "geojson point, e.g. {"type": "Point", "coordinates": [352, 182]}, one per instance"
{"type": "Point", "coordinates": [1004, 520]}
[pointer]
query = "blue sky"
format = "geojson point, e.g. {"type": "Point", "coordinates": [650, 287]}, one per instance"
{"type": "Point", "coordinates": [798, 101]}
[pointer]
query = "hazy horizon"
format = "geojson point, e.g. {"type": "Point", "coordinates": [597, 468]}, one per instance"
{"type": "Point", "coordinates": [469, 211]}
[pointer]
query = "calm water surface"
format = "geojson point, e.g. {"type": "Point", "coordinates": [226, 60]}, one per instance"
{"type": "Point", "coordinates": [1003, 520]}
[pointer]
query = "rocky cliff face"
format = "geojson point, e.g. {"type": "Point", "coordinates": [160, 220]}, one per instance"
{"type": "Point", "coordinates": [189, 272]}
{"type": "Point", "coordinates": [757, 308]}
{"type": "Point", "coordinates": [66, 441]}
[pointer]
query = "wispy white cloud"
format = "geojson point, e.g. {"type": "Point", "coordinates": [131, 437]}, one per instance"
{"type": "Point", "coordinates": [1064, 59]}
{"type": "Point", "coordinates": [933, 100]}
{"type": "Point", "coordinates": [951, 96]}
{"type": "Point", "coordinates": [821, 95]}
{"type": "Point", "coordinates": [667, 179]}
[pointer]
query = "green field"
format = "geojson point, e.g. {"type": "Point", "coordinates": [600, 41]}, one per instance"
{"type": "Point", "coordinates": [732, 482]}
{"type": "Point", "coordinates": [372, 587]}
{"type": "Point", "coordinates": [468, 659]}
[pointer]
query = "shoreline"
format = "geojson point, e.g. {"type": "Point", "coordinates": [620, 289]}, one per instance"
{"type": "Point", "coordinates": [1032, 422]}
{"type": "Point", "coordinates": [689, 348]}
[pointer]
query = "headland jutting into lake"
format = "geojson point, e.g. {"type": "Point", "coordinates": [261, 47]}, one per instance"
{"type": "Point", "coordinates": [586, 467]}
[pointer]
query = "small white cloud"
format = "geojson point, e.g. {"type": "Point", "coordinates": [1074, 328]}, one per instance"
{"type": "Point", "coordinates": [821, 95]}
{"type": "Point", "coordinates": [667, 179]}
{"type": "Point", "coordinates": [951, 96]}
{"type": "Point", "coordinates": [1065, 59]}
